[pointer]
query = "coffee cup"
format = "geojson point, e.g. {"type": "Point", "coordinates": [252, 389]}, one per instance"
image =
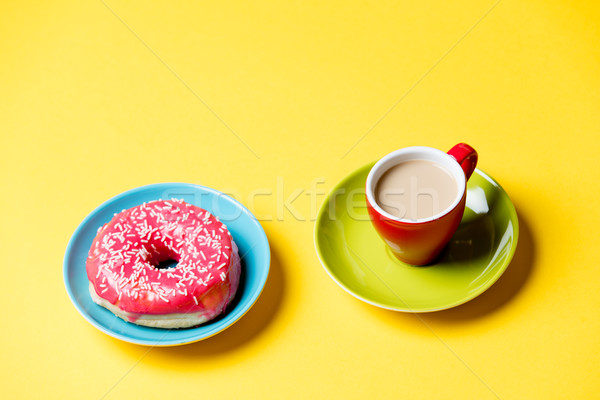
{"type": "Point", "coordinates": [416, 198]}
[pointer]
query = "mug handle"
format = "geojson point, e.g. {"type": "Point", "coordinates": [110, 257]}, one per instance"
{"type": "Point", "coordinates": [466, 156]}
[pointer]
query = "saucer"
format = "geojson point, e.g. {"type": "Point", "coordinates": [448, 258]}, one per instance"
{"type": "Point", "coordinates": [358, 260]}
{"type": "Point", "coordinates": [247, 234]}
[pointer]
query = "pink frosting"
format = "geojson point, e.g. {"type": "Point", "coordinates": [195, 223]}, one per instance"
{"type": "Point", "coordinates": [123, 257]}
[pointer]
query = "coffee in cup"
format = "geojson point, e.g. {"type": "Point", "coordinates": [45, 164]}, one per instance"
{"type": "Point", "coordinates": [416, 189]}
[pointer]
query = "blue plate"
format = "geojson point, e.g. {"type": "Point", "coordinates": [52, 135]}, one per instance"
{"type": "Point", "coordinates": [247, 234]}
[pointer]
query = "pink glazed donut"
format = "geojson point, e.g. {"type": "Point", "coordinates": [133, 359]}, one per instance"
{"type": "Point", "coordinates": [125, 273]}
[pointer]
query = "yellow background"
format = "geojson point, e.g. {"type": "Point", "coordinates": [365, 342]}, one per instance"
{"type": "Point", "coordinates": [97, 98]}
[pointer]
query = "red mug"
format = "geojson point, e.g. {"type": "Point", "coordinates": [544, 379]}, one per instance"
{"type": "Point", "coordinates": [420, 241]}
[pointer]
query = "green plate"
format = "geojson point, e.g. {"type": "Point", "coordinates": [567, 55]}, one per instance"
{"type": "Point", "coordinates": [357, 259]}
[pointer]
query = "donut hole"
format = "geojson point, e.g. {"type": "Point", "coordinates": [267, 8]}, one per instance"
{"type": "Point", "coordinates": [166, 264]}
{"type": "Point", "coordinates": [162, 258]}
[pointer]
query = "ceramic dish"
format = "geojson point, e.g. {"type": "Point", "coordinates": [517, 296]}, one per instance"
{"type": "Point", "coordinates": [358, 260]}
{"type": "Point", "coordinates": [245, 229]}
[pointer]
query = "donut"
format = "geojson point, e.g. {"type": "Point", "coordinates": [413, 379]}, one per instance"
{"type": "Point", "coordinates": [126, 265]}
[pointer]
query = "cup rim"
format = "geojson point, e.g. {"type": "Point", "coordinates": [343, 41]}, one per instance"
{"type": "Point", "coordinates": [415, 153]}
